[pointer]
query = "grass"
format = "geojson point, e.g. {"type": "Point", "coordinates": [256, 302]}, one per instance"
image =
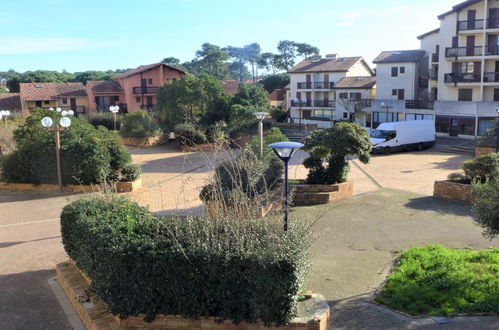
{"type": "Point", "coordinates": [435, 280]}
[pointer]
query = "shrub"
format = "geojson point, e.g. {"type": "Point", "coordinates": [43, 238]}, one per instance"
{"type": "Point", "coordinates": [486, 207]}
{"type": "Point", "coordinates": [130, 172]}
{"type": "Point", "coordinates": [275, 135]}
{"type": "Point", "coordinates": [458, 178]}
{"type": "Point", "coordinates": [187, 134]}
{"type": "Point", "coordinates": [482, 168]}
{"type": "Point", "coordinates": [140, 263]}
{"type": "Point", "coordinates": [278, 114]}
{"type": "Point", "coordinates": [105, 119]}
{"type": "Point", "coordinates": [334, 144]}
{"type": "Point", "coordinates": [216, 133]}
{"type": "Point", "coordinates": [88, 155]}
{"type": "Point", "coordinates": [140, 124]}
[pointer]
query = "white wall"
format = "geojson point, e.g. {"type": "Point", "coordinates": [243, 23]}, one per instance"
{"type": "Point", "coordinates": [386, 83]}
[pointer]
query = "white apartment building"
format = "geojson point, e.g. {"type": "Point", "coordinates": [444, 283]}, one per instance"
{"type": "Point", "coordinates": [315, 82]}
{"type": "Point", "coordinates": [402, 89]}
{"type": "Point", "coordinates": [464, 67]}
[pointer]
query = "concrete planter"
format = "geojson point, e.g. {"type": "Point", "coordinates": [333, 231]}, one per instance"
{"type": "Point", "coordinates": [121, 187]}
{"type": "Point", "coordinates": [145, 142]}
{"type": "Point", "coordinates": [94, 314]}
{"type": "Point", "coordinates": [480, 151]}
{"type": "Point", "coordinates": [453, 190]}
{"type": "Point", "coordinates": [316, 194]}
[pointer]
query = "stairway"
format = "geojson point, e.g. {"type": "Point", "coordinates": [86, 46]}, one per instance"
{"type": "Point", "coordinates": [295, 134]}
{"type": "Point", "coordinates": [459, 150]}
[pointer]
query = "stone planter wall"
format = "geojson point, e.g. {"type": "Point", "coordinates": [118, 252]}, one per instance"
{"type": "Point", "coordinates": [480, 151]}
{"type": "Point", "coordinates": [453, 190]}
{"type": "Point", "coordinates": [316, 194]}
{"type": "Point", "coordinates": [145, 142]}
{"type": "Point", "coordinates": [94, 314]}
{"type": "Point", "coordinates": [121, 187]}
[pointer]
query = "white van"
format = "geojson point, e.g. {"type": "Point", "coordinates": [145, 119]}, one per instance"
{"type": "Point", "coordinates": [403, 135]}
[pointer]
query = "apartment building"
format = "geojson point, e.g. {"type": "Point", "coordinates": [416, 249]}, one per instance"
{"type": "Point", "coordinates": [312, 89]}
{"type": "Point", "coordinates": [463, 68]}
{"type": "Point", "coordinates": [401, 88]}
{"type": "Point", "coordinates": [69, 95]}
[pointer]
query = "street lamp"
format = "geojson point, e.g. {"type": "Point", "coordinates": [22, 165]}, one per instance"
{"type": "Point", "coordinates": [301, 103]}
{"type": "Point", "coordinates": [497, 139]}
{"type": "Point", "coordinates": [386, 107]}
{"type": "Point", "coordinates": [114, 109]}
{"type": "Point", "coordinates": [261, 116]}
{"type": "Point", "coordinates": [285, 151]}
{"type": "Point", "coordinates": [63, 124]}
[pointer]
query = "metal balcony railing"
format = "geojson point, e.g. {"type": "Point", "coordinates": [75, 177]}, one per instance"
{"type": "Point", "coordinates": [477, 24]}
{"type": "Point", "coordinates": [451, 78]}
{"type": "Point", "coordinates": [324, 104]}
{"type": "Point", "coordinates": [315, 85]}
{"type": "Point", "coordinates": [419, 104]}
{"type": "Point", "coordinates": [463, 51]}
{"type": "Point", "coordinates": [145, 90]}
{"type": "Point", "coordinates": [490, 77]}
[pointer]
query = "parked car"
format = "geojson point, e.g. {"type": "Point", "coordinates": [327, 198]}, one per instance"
{"type": "Point", "coordinates": [403, 135]}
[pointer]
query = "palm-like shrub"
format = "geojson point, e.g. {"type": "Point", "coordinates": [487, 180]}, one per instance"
{"type": "Point", "coordinates": [140, 124]}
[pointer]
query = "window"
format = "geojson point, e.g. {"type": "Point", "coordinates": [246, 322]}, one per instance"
{"type": "Point", "coordinates": [395, 71]}
{"type": "Point", "coordinates": [485, 124]}
{"type": "Point", "coordinates": [394, 92]}
{"type": "Point", "coordinates": [137, 99]}
{"type": "Point", "coordinates": [442, 124]}
{"type": "Point", "coordinates": [149, 81]}
{"type": "Point", "coordinates": [465, 94]}
{"type": "Point", "coordinates": [496, 94]}
{"type": "Point", "coordinates": [402, 69]}
{"type": "Point", "coordinates": [64, 101]}
{"type": "Point", "coordinates": [355, 96]}
{"type": "Point", "coordinates": [38, 104]}
{"type": "Point", "coordinates": [401, 94]}
{"type": "Point", "coordinates": [345, 115]}
{"type": "Point", "coordinates": [344, 96]}
{"type": "Point", "coordinates": [47, 102]}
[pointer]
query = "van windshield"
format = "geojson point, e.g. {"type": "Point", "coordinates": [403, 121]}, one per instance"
{"type": "Point", "coordinates": [381, 134]}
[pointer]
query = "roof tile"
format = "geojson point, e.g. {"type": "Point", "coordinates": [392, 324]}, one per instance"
{"type": "Point", "coordinates": [51, 91]}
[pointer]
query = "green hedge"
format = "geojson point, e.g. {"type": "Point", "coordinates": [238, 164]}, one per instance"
{"type": "Point", "coordinates": [88, 155]}
{"type": "Point", "coordinates": [229, 269]}
{"type": "Point", "coordinates": [187, 134]}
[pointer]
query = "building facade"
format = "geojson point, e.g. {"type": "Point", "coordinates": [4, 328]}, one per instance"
{"type": "Point", "coordinates": [67, 96]}
{"type": "Point", "coordinates": [312, 88]}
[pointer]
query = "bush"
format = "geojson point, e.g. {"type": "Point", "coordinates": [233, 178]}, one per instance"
{"type": "Point", "coordinates": [130, 172]}
{"type": "Point", "coordinates": [275, 135]}
{"type": "Point", "coordinates": [278, 114]}
{"type": "Point", "coordinates": [88, 155]}
{"type": "Point", "coordinates": [105, 119]}
{"type": "Point", "coordinates": [140, 263]}
{"type": "Point", "coordinates": [486, 207]}
{"type": "Point", "coordinates": [435, 280]}
{"type": "Point", "coordinates": [140, 124]}
{"type": "Point", "coordinates": [334, 144]}
{"type": "Point", "coordinates": [482, 168]}
{"type": "Point", "coordinates": [188, 135]}
{"type": "Point", "coordinates": [216, 133]}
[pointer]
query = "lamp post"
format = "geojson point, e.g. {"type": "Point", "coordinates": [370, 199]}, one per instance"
{"type": "Point", "coordinates": [497, 138]}
{"type": "Point", "coordinates": [285, 151]}
{"type": "Point", "coordinates": [3, 115]}
{"type": "Point", "coordinates": [387, 108]}
{"type": "Point", "coordinates": [63, 124]}
{"type": "Point", "coordinates": [114, 109]}
{"type": "Point", "coordinates": [301, 103]}
{"type": "Point", "coordinates": [261, 116]}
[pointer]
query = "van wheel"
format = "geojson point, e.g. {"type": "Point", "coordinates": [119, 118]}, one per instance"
{"type": "Point", "coordinates": [387, 150]}
{"type": "Point", "coordinates": [420, 147]}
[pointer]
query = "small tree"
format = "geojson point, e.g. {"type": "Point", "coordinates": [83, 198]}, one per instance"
{"type": "Point", "coordinates": [332, 145]}
{"type": "Point", "coordinates": [486, 207]}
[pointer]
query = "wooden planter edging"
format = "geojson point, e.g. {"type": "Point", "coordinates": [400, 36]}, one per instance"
{"type": "Point", "coordinates": [453, 190]}
{"type": "Point", "coordinates": [94, 314]}
{"type": "Point", "coordinates": [122, 187]}
{"type": "Point", "coordinates": [316, 194]}
{"type": "Point", "coordinates": [145, 142]}
{"type": "Point", "coordinates": [480, 151]}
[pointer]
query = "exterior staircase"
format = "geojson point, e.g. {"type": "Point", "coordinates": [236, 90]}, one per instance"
{"type": "Point", "coordinates": [295, 134]}
{"type": "Point", "coordinates": [459, 150]}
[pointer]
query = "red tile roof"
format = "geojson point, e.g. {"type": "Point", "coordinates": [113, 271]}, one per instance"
{"type": "Point", "coordinates": [144, 68]}
{"type": "Point", "coordinates": [356, 83]}
{"type": "Point", "coordinates": [230, 86]}
{"type": "Point", "coordinates": [278, 95]}
{"type": "Point", "coordinates": [107, 87]}
{"type": "Point", "coordinates": [50, 91]}
{"type": "Point", "coordinates": [342, 64]}
{"type": "Point", "coordinates": [10, 101]}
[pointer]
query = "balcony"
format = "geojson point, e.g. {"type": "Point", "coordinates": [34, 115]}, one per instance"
{"type": "Point", "coordinates": [315, 85]}
{"type": "Point", "coordinates": [362, 104]}
{"type": "Point", "coordinates": [477, 24]}
{"type": "Point", "coordinates": [489, 77]}
{"type": "Point", "coordinates": [324, 104]}
{"type": "Point", "coordinates": [451, 78]}
{"type": "Point", "coordinates": [463, 51]}
{"type": "Point", "coordinates": [145, 90]}
{"type": "Point", "coordinates": [491, 50]}
{"type": "Point", "coordinates": [418, 104]}
{"type": "Point", "coordinates": [300, 104]}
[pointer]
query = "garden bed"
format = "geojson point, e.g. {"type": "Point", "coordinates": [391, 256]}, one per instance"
{"type": "Point", "coordinates": [316, 194]}
{"type": "Point", "coordinates": [480, 151]}
{"type": "Point", "coordinates": [453, 190]}
{"type": "Point", "coordinates": [122, 187]}
{"type": "Point", "coordinates": [314, 313]}
{"type": "Point", "coordinates": [435, 280]}
{"type": "Point", "coordinates": [208, 147]}
{"type": "Point", "coordinates": [145, 142]}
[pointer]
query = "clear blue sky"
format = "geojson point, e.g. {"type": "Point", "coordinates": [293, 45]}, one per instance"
{"type": "Point", "coordinates": [79, 35]}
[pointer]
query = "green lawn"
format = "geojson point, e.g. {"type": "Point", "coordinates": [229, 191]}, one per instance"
{"type": "Point", "coordinates": [435, 280]}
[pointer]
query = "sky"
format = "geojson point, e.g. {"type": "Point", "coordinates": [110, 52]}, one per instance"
{"type": "Point", "coordinates": [80, 35]}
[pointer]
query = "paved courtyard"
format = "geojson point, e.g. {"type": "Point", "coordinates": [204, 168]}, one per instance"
{"type": "Point", "coordinates": [30, 242]}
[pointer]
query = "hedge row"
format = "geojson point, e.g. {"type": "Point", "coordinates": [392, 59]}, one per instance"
{"type": "Point", "coordinates": [140, 263]}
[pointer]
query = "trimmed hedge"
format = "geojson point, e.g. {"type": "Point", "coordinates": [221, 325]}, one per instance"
{"type": "Point", "coordinates": [139, 263]}
{"type": "Point", "coordinates": [188, 135]}
{"type": "Point", "coordinates": [482, 168]}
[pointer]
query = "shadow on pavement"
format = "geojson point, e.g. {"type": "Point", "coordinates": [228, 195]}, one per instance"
{"type": "Point", "coordinates": [8, 244]}
{"type": "Point", "coordinates": [23, 196]}
{"type": "Point", "coordinates": [440, 205]}
{"type": "Point", "coordinates": [27, 302]}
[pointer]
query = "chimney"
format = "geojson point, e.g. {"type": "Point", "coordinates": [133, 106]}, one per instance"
{"type": "Point", "coordinates": [332, 56]}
